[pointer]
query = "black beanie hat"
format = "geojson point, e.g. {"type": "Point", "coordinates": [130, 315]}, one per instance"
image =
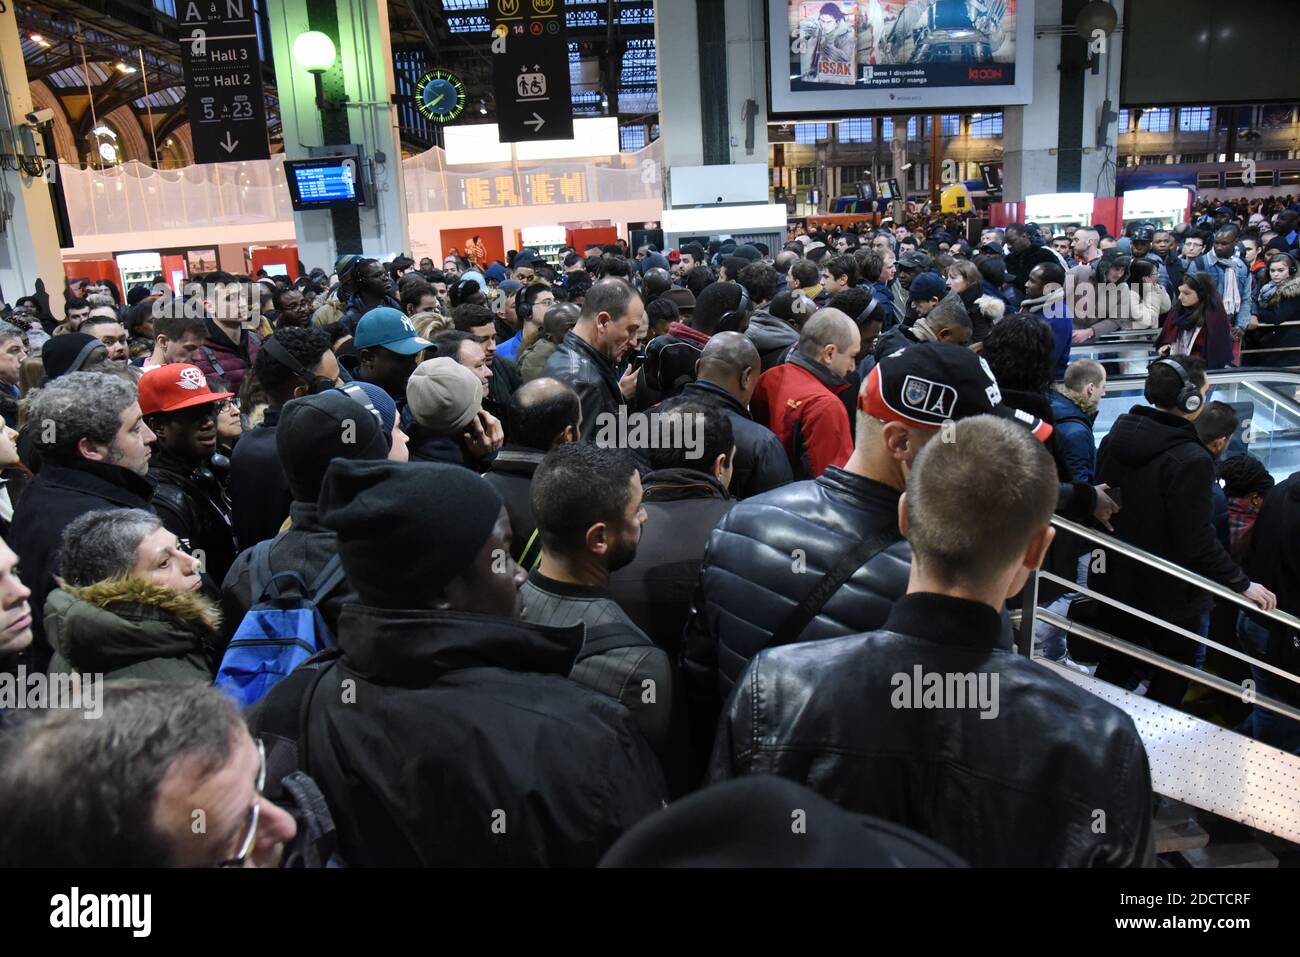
{"type": "Point", "coordinates": [137, 293]}
{"type": "Point", "coordinates": [749, 822]}
{"type": "Point", "coordinates": [406, 529]}
{"type": "Point", "coordinates": [315, 430]}
{"type": "Point", "coordinates": [63, 354]}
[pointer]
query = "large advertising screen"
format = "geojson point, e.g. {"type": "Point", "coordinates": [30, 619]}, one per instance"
{"type": "Point", "coordinates": [828, 56]}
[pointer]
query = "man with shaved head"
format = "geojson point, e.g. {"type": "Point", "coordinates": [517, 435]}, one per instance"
{"type": "Point", "coordinates": [769, 553]}
{"type": "Point", "coordinates": [799, 400]}
{"type": "Point", "coordinates": [725, 377]}
{"type": "Point", "coordinates": [541, 414]}
{"type": "Point", "coordinates": [654, 283]}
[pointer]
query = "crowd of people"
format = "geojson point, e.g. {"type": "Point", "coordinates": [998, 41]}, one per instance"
{"type": "Point", "coordinates": [605, 557]}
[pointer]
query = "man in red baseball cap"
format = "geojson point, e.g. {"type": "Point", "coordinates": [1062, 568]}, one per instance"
{"type": "Point", "coordinates": [191, 497]}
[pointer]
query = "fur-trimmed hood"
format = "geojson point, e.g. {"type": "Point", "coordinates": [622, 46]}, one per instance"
{"type": "Point", "coordinates": [120, 622]}
{"type": "Point", "coordinates": [993, 307]}
{"type": "Point", "coordinates": [1289, 289]}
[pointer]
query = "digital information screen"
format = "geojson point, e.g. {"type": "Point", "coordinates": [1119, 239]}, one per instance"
{"type": "Point", "coordinates": [323, 184]}
{"type": "Point", "coordinates": [829, 56]}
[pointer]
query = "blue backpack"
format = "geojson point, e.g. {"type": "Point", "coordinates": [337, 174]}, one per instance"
{"type": "Point", "coordinates": [280, 631]}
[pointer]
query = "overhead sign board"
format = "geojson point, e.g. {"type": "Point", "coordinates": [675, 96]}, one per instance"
{"type": "Point", "coordinates": [530, 70]}
{"type": "Point", "coordinates": [223, 80]}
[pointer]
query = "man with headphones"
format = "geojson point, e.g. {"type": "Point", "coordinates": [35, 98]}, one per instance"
{"type": "Point", "coordinates": [1159, 471]}
{"type": "Point", "coordinates": [292, 363]}
{"type": "Point", "coordinates": [530, 305]}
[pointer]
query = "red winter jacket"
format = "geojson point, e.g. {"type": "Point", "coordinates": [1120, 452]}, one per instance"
{"type": "Point", "coordinates": [805, 411]}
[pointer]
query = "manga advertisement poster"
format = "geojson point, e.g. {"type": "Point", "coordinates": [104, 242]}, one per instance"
{"type": "Point", "coordinates": [893, 45]}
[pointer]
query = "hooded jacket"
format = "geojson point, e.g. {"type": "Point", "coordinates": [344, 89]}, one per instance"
{"type": "Point", "coordinates": [1276, 305]}
{"type": "Point", "coordinates": [591, 375]}
{"type": "Point", "coordinates": [760, 460]}
{"type": "Point", "coordinates": [1019, 790]}
{"type": "Point", "coordinates": [800, 402]}
{"type": "Point", "coordinates": [1163, 474]}
{"type": "Point", "coordinates": [129, 628]}
{"type": "Point", "coordinates": [1073, 431]}
{"type": "Point", "coordinates": [459, 739]}
{"type": "Point", "coordinates": [772, 337]}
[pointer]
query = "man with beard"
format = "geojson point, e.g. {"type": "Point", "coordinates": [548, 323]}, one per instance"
{"type": "Point", "coordinates": [587, 503]}
{"type": "Point", "coordinates": [193, 503]}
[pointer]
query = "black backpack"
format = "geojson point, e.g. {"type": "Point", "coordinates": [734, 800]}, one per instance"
{"type": "Point", "coordinates": [279, 720]}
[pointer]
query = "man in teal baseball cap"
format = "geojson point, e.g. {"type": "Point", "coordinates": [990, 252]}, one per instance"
{"type": "Point", "coordinates": [390, 349]}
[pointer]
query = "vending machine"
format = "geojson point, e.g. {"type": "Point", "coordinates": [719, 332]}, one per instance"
{"type": "Point", "coordinates": [1164, 208]}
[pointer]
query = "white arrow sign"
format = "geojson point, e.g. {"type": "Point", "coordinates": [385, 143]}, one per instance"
{"type": "Point", "coordinates": [228, 145]}
{"type": "Point", "coordinates": [536, 122]}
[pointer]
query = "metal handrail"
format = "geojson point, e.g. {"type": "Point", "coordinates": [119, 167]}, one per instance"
{"type": "Point", "coordinates": [1243, 374]}
{"type": "Point", "coordinates": [1189, 672]}
{"type": "Point", "coordinates": [1183, 632]}
{"type": "Point", "coordinates": [1127, 335]}
{"type": "Point", "coordinates": [1169, 568]}
{"type": "Point", "coordinates": [1031, 611]}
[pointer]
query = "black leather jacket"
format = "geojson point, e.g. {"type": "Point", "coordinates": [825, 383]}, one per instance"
{"type": "Point", "coordinates": [591, 375]}
{"type": "Point", "coordinates": [769, 551]}
{"type": "Point", "coordinates": [1058, 778]}
{"type": "Point", "coordinates": [194, 505]}
{"type": "Point", "coordinates": [760, 460]}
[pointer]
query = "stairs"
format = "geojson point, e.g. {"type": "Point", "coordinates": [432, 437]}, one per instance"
{"type": "Point", "coordinates": [1186, 837]}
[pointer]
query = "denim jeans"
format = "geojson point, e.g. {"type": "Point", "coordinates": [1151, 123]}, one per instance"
{"type": "Point", "coordinates": [1050, 641]}
{"type": "Point", "coordinates": [1264, 725]}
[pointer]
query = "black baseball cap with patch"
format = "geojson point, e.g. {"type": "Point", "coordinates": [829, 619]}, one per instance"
{"type": "Point", "coordinates": [930, 383]}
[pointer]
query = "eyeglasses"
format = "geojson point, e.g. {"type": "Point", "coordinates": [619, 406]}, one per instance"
{"type": "Point", "coordinates": [246, 845]}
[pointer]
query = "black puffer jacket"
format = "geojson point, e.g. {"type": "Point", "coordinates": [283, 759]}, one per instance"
{"type": "Point", "coordinates": [769, 552]}
{"type": "Point", "coordinates": [591, 375]}
{"type": "Point", "coordinates": [760, 461]}
{"type": "Point", "coordinates": [1021, 790]}
{"type": "Point", "coordinates": [462, 742]}
{"type": "Point", "coordinates": [1163, 474]}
